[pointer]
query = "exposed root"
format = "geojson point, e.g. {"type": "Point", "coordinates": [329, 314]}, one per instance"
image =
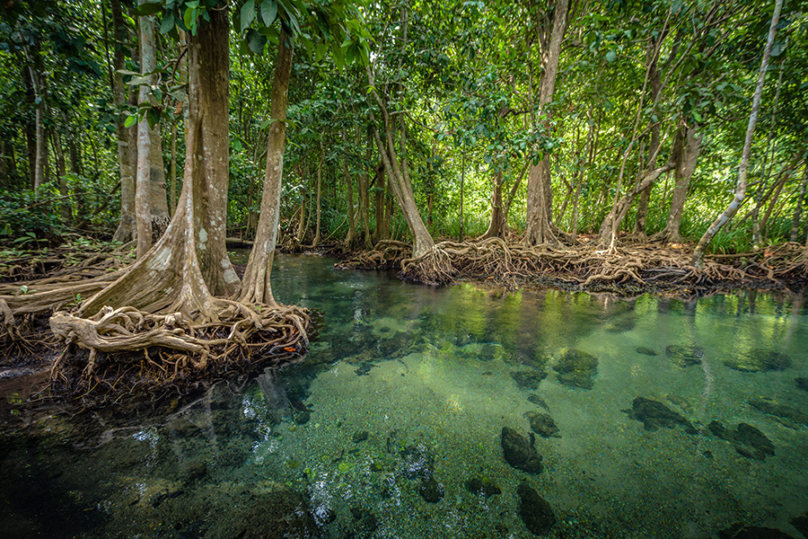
{"type": "Point", "coordinates": [644, 266]}
{"type": "Point", "coordinates": [130, 351]}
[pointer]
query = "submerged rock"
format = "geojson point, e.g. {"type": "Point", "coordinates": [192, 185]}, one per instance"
{"type": "Point", "coordinates": [538, 401]}
{"type": "Point", "coordinates": [483, 486]}
{"type": "Point", "coordinates": [747, 440]}
{"type": "Point", "coordinates": [654, 414]}
{"type": "Point", "coordinates": [365, 522]}
{"type": "Point", "coordinates": [576, 369]}
{"type": "Point", "coordinates": [788, 416]}
{"type": "Point", "coordinates": [739, 531]}
{"type": "Point", "coordinates": [802, 383]}
{"type": "Point", "coordinates": [528, 379]}
{"type": "Point", "coordinates": [417, 462]}
{"type": "Point", "coordinates": [542, 424]}
{"type": "Point", "coordinates": [519, 453]}
{"type": "Point", "coordinates": [359, 436]}
{"type": "Point", "coordinates": [284, 513]}
{"type": "Point", "coordinates": [758, 360]}
{"type": "Point", "coordinates": [536, 513]}
{"type": "Point", "coordinates": [430, 490]}
{"type": "Point", "coordinates": [364, 369]}
{"type": "Point", "coordinates": [684, 355]}
{"type": "Point", "coordinates": [646, 351]}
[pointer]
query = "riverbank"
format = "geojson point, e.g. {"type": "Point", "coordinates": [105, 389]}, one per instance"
{"type": "Point", "coordinates": [627, 270]}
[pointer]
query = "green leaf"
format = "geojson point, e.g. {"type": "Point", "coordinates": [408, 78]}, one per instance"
{"type": "Point", "coordinates": [130, 120]}
{"type": "Point", "coordinates": [256, 42]}
{"type": "Point", "coordinates": [168, 23]}
{"type": "Point", "coordinates": [269, 10]}
{"type": "Point", "coordinates": [247, 14]}
{"type": "Point", "coordinates": [144, 10]}
{"type": "Point", "coordinates": [610, 56]}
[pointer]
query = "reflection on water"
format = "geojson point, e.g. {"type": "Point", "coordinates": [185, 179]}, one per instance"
{"type": "Point", "coordinates": [458, 412]}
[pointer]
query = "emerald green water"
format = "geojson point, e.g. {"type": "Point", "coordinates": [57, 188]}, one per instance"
{"type": "Point", "coordinates": [407, 383]}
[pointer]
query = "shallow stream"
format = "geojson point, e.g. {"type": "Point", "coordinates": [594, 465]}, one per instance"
{"type": "Point", "coordinates": [643, 418]}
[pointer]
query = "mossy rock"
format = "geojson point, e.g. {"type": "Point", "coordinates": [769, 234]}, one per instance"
{"type": "Point", "coordinates": [684, 355]}
{"type": "Point", "coordinates": [758, 360]}
{"type": "Point", "coordinates": [577, 369]}
{"type": "Point", "coordinates": [528, 379]}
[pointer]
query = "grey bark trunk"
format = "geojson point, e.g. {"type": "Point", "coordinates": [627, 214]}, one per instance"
{"type": "Point", "coordinates": [795, 223]}
{"type": "Point", "coordinates": [148, 62]}
{"type": "Point", "coordinates": [539, 186]}
{"type": "Point", "coordinates": [127, 228]}
{"type": "Point", "coordinates": [740, 191]}
{"type": "Point", "coordinates": [256, 286]}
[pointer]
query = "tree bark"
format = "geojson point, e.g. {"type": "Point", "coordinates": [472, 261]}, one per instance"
{"type": "Point", "coordinates": [539, 186]}
{"type": "Point", "coordinates": [316, 240]}
{"type": "Point", "coordinates": [143, 195]}
{"type": "Point", "coordinates": [740, 191]}
{"type": "Point", "coordinates": [611, 224]}
{"type": "Point", "coordinates": [127, 228]}
{"type": "Point", "coordinates": [495, 225]}
{"type": "Point", "coordinates": [795, 224]}
{"type": "Point", "coordinates": [685, 166]}
{"type": "Point", "coordinates": [350, 237]}
{"type": "Point", "coordinates": [256, 286]}
{"type": "Point", "coordinates": [189, 265]}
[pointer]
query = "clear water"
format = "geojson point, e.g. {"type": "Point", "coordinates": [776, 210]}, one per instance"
{"type": "Point", "coordinates": [427, 374]}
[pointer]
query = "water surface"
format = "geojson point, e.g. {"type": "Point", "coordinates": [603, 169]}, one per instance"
{"type": "Point", "coordinates": [403, 399]}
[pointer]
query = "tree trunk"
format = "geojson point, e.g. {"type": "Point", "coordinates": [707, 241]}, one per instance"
{"type": "Point", "coordinates": [256, 286]}
{"type": "Point", "coordinates": [795, 224]}
{"type": "Point", "coordinates": [757, 226]}
{"type": "Point", "coordinates": [740, 191]}
{"type": "Point", "coordinates": [316, 241]}
{"type": "Point", "coordinates": [765, 221]}
{"type": "Point", "coordinates": [40, 156]}
{"type": "Point", "coordinates": [189, 265]}
{"type": "Point", "coordinates": [127, 228]}
{"type": "Point", "coordinates": [379, 232]}
{"type": "Point", "coordinates": [539, 186]}
{"type": "Point", "coordinates": [158, 202]}
{"type": "Point", "coordinates": [350, 238]}
{"type": "Point", "coordinates": [611, 224]}
{"type": "Point", "coordinates": [61, 173]}
{"type": "Point", "coordinates": [172, 204]}
{"type": "Point", "coordinates": [364, 199]}
{"type": "Point", "coordinates": [685, 166]}
{"type": "Point", "coordinates": [495, 225]}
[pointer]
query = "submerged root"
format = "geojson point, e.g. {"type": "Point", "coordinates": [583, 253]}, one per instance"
{"type": "Point", "coordinates": [133, 352]}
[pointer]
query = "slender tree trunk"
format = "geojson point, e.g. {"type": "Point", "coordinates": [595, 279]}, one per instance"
{"type": "Point", "coordinates": [158, 202]}
{"type": "Point", "coordinates": [61, 173]}
{"type": "Point", "coordinates": [256, 286]}
{"type": "Point", "coordinates": [316, 241]}
{"type": "Point", "coordinates": [379, 233]}
{"type": "Point", "coordinates": [41, 156]}
{"type": "Point", "coordinates": [611, 224]}
{"type": "Point", "coordinates": [364, 199]}
{"type": "Point", "coordinates": [740, 191]}
{"type": "Point", "coordinates": [350, 238]}
{"type": "Point", "coordinates": [462, 186]}
{"type": "Point", "coordinates": [757, 226]}
{"type": "Point", "coordinates": [494, 226]}
{"type": "Point", "coordinates": [148, 62]}
{"type": "Point", "coordinates": [795, 223]}
{"type": "Point", "coordinates": [765, 221]}
{"type": "Point", "coordinates": [172, 205]}
{"type": "Point", "coordinates": [127, 228]}
{"type": "Point", "coordinates": [539, 186]}
{"type": "Point", "coordinates": [685, 167]}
